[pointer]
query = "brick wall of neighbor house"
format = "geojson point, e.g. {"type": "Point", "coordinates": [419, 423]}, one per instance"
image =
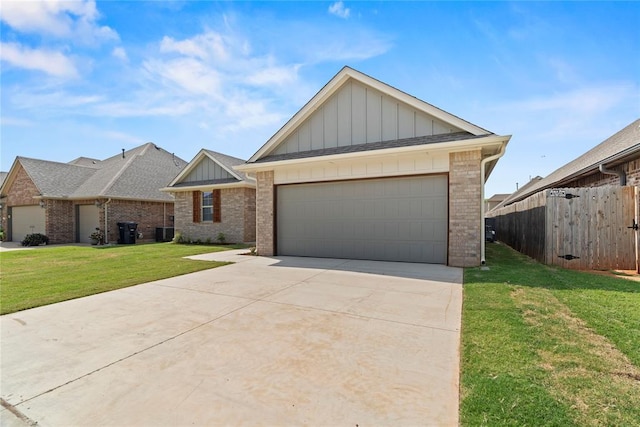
{"type": "Point", "coordinates": [249, 214]}
{"type": "Point", "coordinates": [233, 211]}
{"type": "Point", "coordinates": [59, 221]}
{"type": "Point", "coordinates": [22, 191]}
{"type": "Point", "coordinates": [148, 216]}
{"type": "Point", "coordinates": [598, 179]}
{"type": "Point", "coordinates": [264, 213]}
{"type": "Point", "coordinates": [464, 209]}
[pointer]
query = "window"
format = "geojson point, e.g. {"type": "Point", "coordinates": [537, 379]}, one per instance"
{"type": "Point", "coordinates": [206, 206]}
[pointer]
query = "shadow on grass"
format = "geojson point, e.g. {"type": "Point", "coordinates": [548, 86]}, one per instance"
{"type": "Point", "coordinates": [509, 266]}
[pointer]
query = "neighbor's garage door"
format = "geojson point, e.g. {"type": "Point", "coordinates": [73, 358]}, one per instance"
{"type": "Point", "coordinates": [390, 219]}
{"type": "Point", "coordinates": [26, 220]}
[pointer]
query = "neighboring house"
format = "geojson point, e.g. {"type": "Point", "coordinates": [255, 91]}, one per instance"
{"type": "Point", "coordinates": [213, 199]}
{"type": "Point", "coordinates": [494, 201]}
{"type": "Point", "coordinates": [615, 161]}
{"type": "Point", "coordinates": [365, 171]}
{"type": "Point", "coordinates": [68, 201]}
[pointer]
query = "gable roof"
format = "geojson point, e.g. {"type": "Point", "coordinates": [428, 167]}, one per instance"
{"type": "Point", "coordinates": [226, 162]}
{"type": "Point", "coordinates": [623, 144]}
{"type": "Point", "coordinates": [335, 84]}
{"type": "Point", "coordinates": [137, 174]}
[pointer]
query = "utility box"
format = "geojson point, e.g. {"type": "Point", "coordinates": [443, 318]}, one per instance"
{"type": "Point", "coordinates": [127, 232]}
{"type": "Point", "coordinates": [164, 234]}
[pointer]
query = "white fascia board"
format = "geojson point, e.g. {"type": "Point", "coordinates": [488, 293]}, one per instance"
{"type": "Point", "coordinates": [419, 104]}
{"type": "Point", "coordinates": [334, 84]}
{"type": "Point", "coordinates": [187, 169]}
{"type": "Point", "coordinates": [208, 187]}
{"type": "Point", "coordinates": [451, 146]}
{"type": "Point", "coordinates": [302, 114]}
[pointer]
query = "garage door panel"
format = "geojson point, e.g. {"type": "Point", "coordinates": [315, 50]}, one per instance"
{"type": "Point", "coordinates": [394, 219]}
{"type": "Point", "coordinates": [26, 220]}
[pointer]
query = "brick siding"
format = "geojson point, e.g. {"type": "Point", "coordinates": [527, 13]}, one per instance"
{"type": "Point", "coordinates": [464, 209]}
{"type": "Point", "coordinates": [148, 216]}
{"type": "Point", "coordinates": [598, 179]}
{"type": "Point", "coordinates": [265, 239]}
{"type": "Point", "coordinates": [237, 206]}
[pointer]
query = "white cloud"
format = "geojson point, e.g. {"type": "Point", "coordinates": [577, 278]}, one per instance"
{"type": "Point", "coordinates": [339, 10]}
{"type": "Point", "coordinates": [125, 137]}
{"type": "Point", "coordinates": [587, 100]}
{"type": "Point", "coordinates": [74, 20]}
{"type": "Point", "coordinates": [275, 75]}
{"type": "Point", "coordinates": [187, 73]}
{"type": "Point", "coordinates": [51, 62]}
{"type": "Point", "coordinates": [207, 46]}
{"type": "Point", "coordinates": [120, 53]}
{"type": "Point", "coordinates": [15, 121]}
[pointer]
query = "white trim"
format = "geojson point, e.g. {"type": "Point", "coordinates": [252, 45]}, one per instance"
{"type": "Point", "coordinates": [450, 146]}
{"type": "Point", "coordinates": [332, 87]}
{"type": "Point", "coordinates": [200, 187]}
{"type": "Point", "coordinates": [195, 162]}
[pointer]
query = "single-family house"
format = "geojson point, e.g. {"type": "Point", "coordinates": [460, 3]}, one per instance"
{"type": "Point", "coordinates": [366, 171]}
{"type": "Point", "coordinates": [614, 161]}
{"type": "Point", "coordinates": [213, 201]}
{"type": "Point", "coordinates": [68, 201]}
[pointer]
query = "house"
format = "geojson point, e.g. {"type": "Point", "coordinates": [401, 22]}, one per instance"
{"type": "Point", "coordinates": [366, 171]}
{"type": "Point", "coordinates": [68, 201]}
{"type": "Point", "coordinates": [213, 200]}
{"type": "Point", "coordinates": [494, 201]}
{"type": "Point", "coordinates": [615, 161]}
{"type": "Point", "coordinates": [585, 214]}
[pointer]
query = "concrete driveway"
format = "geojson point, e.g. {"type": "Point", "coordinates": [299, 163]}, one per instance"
{"type": "Point", "coordinates": [265, 341]}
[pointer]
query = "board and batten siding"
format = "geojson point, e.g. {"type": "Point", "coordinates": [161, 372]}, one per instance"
{"type": "Point", "coordinates": [206, 170]}
{"type": "Point", "coordinates": [387, 166]}
{"type": "Point", "coordinates": [358, 114]}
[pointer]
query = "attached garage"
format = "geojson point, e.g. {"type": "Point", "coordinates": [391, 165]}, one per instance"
{"type": "Point", "coordinates": [26, 220]}
{"type": "Point", "coordinates": [389, 219]}
{"type": "Point", "coordinates": [366, 171]}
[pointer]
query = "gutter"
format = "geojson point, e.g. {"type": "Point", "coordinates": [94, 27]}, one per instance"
{"type": "Point", "coordinates": [623, 176]}
{"type": "Point", "coordinates": [106, 220]}
{"type": "Point", "coordinates": [483, 162]}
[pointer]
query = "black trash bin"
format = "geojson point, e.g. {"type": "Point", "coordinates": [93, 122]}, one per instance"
{"type": "Point", "coordinates": [127, 231]}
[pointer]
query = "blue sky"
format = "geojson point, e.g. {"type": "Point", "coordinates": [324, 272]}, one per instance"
{"type": "Point", "coordinates": [88, 78]}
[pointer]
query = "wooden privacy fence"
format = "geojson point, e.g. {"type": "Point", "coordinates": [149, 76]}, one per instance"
{"type": "Point", "coordinates": [579, 228]}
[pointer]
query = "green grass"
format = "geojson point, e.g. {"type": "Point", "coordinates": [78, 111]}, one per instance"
{"type": "Point", "coordinates": [548, 346]}
{"type": "Point", "coordinates": [42, 276]}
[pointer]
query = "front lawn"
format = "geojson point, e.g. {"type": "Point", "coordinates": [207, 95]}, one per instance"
{"type": "Point", "coordinates": [43, 276]}
{"type": "Point", "coordinates": [547, 346]}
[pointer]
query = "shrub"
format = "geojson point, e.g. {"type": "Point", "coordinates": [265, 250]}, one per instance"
{"type": "Point", "coordinates": [221, 238]}
{"type": "Point", "coordinates": [35, 239]}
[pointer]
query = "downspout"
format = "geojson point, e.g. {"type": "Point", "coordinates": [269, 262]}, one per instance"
{"type": "Point", "coordinates": [483, 162]}
{"type": "Point", "coordinates": [621, 174]}
{"type": "Point", "coordinates": [106, 220]}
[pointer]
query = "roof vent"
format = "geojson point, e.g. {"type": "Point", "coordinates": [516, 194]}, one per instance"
{"type": "Point", "coordinates": [123, 153]}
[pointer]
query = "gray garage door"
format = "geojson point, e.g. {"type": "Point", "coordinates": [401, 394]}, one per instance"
{"type": "Point", "coordinates": [26, 220]}
{"type": "Point", "coordinates": [390, 219]}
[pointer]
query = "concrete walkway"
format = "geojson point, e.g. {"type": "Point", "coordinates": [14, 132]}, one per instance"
{"type": "Point", "coordinates": [265, 341]}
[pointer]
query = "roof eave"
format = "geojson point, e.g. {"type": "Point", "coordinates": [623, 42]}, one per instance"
{"type": "Point", "coordinates": [450, 146]}
{"type": "Point", "coordinates": [200, 187]}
